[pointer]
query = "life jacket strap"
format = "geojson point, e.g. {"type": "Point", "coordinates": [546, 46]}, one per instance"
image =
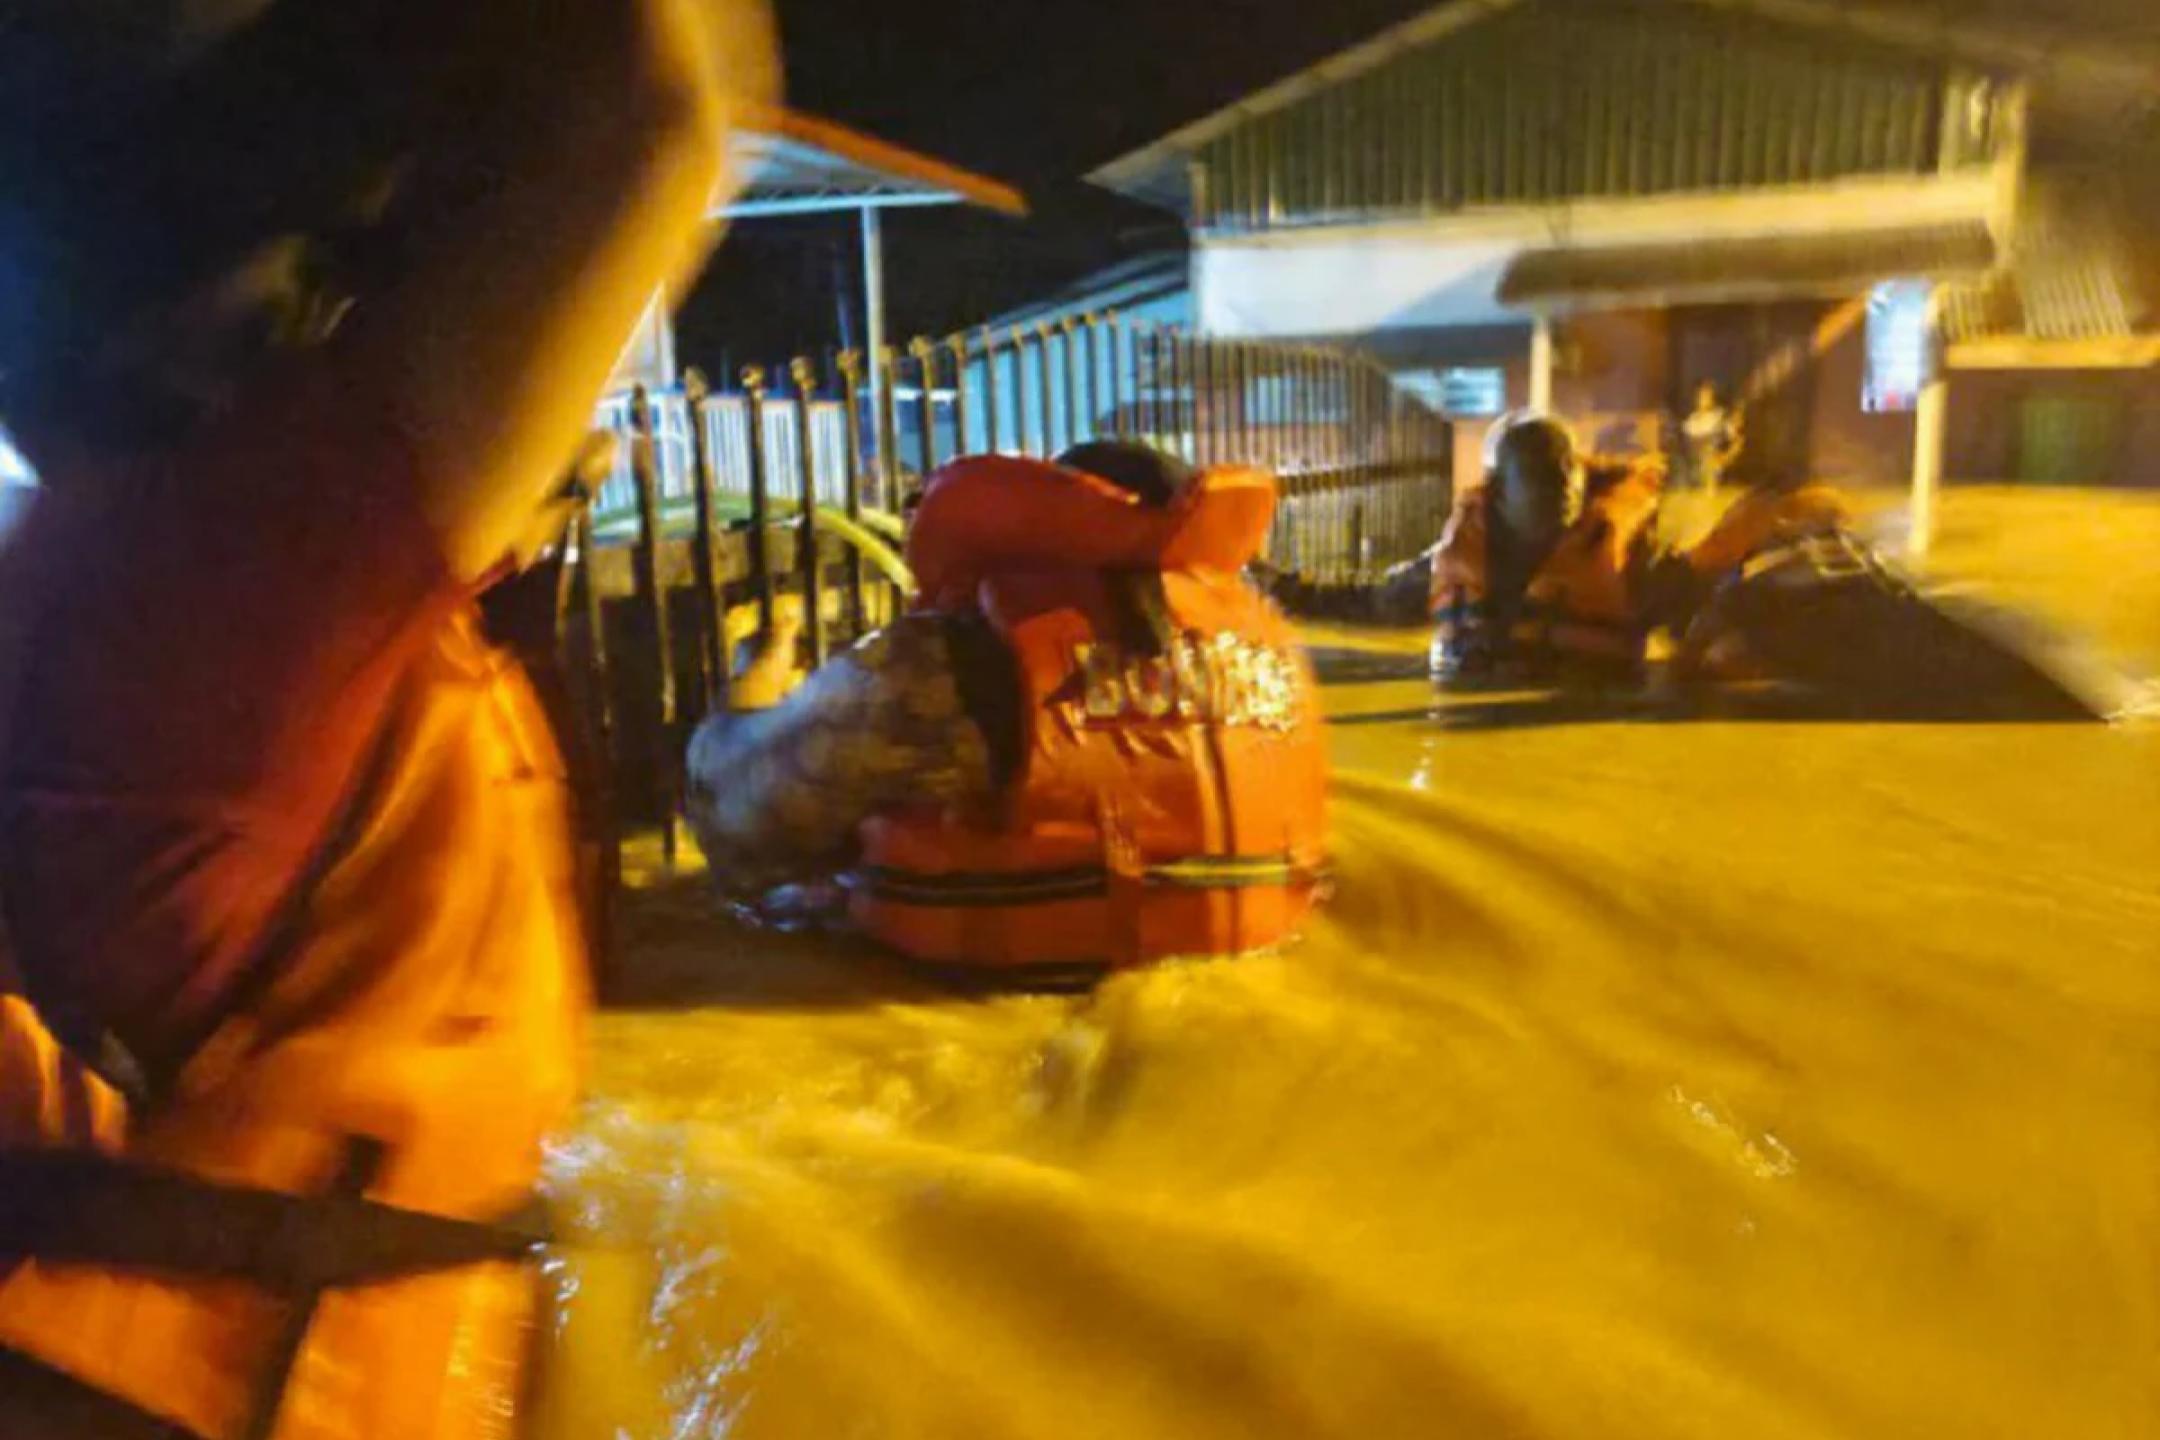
{"type": "Point", "coordinates": [1007, 888]}
{"type": "Point", "coordinates": [78, 1207]}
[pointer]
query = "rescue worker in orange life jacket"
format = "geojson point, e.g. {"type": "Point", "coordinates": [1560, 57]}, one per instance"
{"type": "Point", "coordinates": [1541, 572]}
{"type": "Point", "coordinates": [277, 825]}
{"type": "Point", "coordinates": [1091, 745]}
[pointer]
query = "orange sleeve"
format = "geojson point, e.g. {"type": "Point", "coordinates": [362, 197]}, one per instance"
{"type": "Point", "coordinates": [219, 638]}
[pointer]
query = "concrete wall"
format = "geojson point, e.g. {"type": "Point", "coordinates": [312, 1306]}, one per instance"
{"type": "Point", "coordinates": [1850, 445]}
{"type": "Point", "coordinates": [1989, 413]}
{"type": "Point", "coordinates": [1619, 376]}
{"type": "Point", "coordinates": [1612, 378]}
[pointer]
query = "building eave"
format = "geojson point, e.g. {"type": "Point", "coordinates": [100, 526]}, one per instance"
{"type": "Point", "coordinates": [2103, 82]}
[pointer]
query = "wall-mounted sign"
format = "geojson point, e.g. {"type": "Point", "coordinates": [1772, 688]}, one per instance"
{"type": "Point", "coordinates": [1897, 347]}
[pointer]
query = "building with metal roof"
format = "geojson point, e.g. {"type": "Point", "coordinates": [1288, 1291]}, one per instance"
{"type": "Point", "coordinates": [1597, 204]}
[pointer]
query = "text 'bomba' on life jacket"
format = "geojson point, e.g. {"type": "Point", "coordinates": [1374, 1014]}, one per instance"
{"type": "Point", "coordinates": [1171, 796]}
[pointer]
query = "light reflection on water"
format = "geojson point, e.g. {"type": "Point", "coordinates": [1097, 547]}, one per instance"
{"type": "Point", "coordinates": [1664, 1080]}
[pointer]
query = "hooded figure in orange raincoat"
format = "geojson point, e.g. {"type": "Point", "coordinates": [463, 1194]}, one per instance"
{"type": "Point", "coordinates": [323, 296]}
{"type": "Point", "coordinates": [1091, 746]}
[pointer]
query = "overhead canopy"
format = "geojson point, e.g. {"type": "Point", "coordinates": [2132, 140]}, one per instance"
{"type": "Point", "coordinates": [797, 164]}
{"type": "Point", "coordinates": [2071, 294]}
{"type": "Point", "coordinates": [1742, 269]}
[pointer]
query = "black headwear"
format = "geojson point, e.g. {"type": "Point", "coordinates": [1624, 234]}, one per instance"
{"type": "Point", "coordinates": [1156, 476]}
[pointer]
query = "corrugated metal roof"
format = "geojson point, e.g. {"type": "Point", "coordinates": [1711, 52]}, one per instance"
{"type": "Point", "coordinates": [1745, 268]}
{"type": "Point", "coordinates": [2078, 78]}
{"type": "Point", "coordinates": [1563, 100]}
{"type": "Point", "coordinates": [2072, 274]}
{"type": "Point", "coordinates": [799, 164]}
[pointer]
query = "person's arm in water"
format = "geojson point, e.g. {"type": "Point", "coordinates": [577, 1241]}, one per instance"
{"type": "Point", "coordinates": [904, 719]}
{"type": "Point", "coordinates": [1399, 597]}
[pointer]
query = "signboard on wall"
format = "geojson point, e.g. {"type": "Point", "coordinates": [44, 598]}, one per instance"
{"type": "Point", "coordinates": [1458, 391]}
{"type": "Point", "coordinates": [1897, 347]}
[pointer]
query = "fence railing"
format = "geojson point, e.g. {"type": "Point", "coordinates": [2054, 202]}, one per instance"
{"type": "Point", "coordinates": [1364, 466]}
{"type": "Point", "coordinates": [706, 515]}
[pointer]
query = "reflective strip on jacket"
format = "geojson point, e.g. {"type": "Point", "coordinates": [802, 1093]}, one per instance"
{"type": "Point", "coordinates": [430, 1003]}
{"type": "Point", "coordinates": [1171, 797]}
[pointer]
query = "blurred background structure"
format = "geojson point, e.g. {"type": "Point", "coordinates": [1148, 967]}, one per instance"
{"type": "Point", "coordinates": [1601, 207]}
{"type": "Point", "coordinates": [1909, 239]}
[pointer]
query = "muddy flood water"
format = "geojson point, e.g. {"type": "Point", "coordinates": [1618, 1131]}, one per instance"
{"type": "Point", "coordinates": [1701, 1079]}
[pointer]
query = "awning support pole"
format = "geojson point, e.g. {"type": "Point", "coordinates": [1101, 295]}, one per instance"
{"type": "Point", "coordinates": [1930, 426]}
{"type": "Point", "coordinates": [873, 262]}
{"type": "Point", "coordinates": [1541, 363]}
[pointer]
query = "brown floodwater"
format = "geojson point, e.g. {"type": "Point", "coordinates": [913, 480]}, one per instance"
{"type": "Point", "coordinates": [1645, 1078]}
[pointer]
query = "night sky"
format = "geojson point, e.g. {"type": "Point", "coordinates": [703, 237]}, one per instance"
{"type": "Point", "coordinates": [1038, 93]}
{"type": "Point", "coordinates": [1022, 90]}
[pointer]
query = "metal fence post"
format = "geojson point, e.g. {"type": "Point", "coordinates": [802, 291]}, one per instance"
{"type": "Point", "coordinates": [993, 426]}
{"type": "Point", "coordinates": [850, 368]}
{"type": "Point", "coordinates": [652, 608]}
{"type": "Point", "coordinates": [1147, 368]}
{"type": "Point", "coordinates": [1023, 433]}
{"type": "Point", "coordinates": [1309, 527]}
{"type": "Point", "coordinates": [1120, 425]}
{"type": "Point", "coordinates": [961, 439]}
{"type": "Point", "coordinates": [1049, 392]}
{"type": "Point", "coordinates": [812, 579]}
{"type": "Point", "coordinates": [1170, 390]}
{"type": "Point", "coordinates": [1071, 352]}
{"type": "Point", "coordinates": [712, 636]}
{"type": "Point", "coordinates": [1091, 385]}
{"type": "Point", "coordinates": [1222, 399]}
{"type": "Point", "coordinates": [761, 576]}
{"type": "Point", "coordinates": [926, 371]}
{"type": "Point", "coordinates": [887, 374]}
{"type": "Point", "coordinates": [1199, 354]}
{"type": "Point", "coordinates": [592, 692]}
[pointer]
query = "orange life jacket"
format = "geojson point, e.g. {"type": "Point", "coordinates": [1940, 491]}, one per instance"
{"type": "Point", "coordinates": [1763, 516]}
{"type": "Point", "coordinates": [1172, 794]}
{"type": "Point", "coordinates": [1580, 604]}
{"type": "Point", "coordinates": [428, 1007]}
{"type": "Point", "coordinates": [48, 1098]}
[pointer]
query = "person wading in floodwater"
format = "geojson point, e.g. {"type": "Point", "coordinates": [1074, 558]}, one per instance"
{"type": "Point", "coordinates": [1091, 745]}
{"type": "Point", "coordinates": [1549, 574]}
{"type": "Point", "coordinates": [308, 306]}
{"type": "Point", "coordinates": [1710, 439]}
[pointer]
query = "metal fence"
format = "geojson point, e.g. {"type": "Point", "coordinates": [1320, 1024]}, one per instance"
{"type": "Point", "coordinates": [1363, 466]}
{"type": "Point", "coordinates": [705, 515]}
